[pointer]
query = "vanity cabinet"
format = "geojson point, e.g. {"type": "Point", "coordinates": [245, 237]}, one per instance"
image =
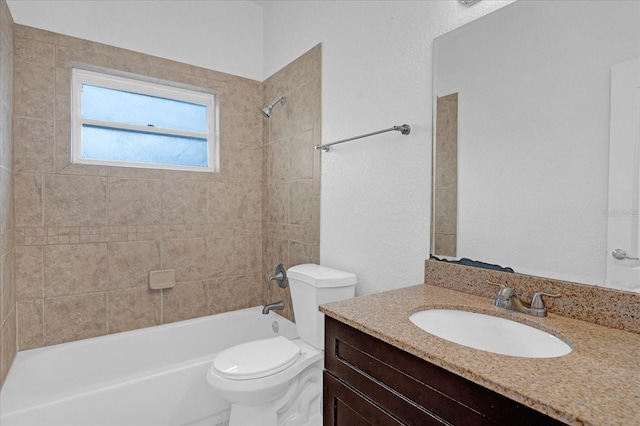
{"type": "Point", "coordinates": [369, 382]}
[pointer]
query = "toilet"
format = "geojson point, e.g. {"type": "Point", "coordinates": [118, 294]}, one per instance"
{"type": "Point", "coordinates": [277, 381]}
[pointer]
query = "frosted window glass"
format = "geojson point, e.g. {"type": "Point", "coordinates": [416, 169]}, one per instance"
{"type": "Point", "coordinates": [103, 143]}
{"type": "Point", "coordinates": [100, 103]}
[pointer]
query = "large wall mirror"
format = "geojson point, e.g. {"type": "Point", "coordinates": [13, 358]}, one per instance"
{"type": "Point", "coordinates": [525, 117]}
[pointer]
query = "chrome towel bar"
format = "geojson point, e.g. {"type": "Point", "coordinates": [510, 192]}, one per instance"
{"type": "Point", "coordinates": [405, 129]}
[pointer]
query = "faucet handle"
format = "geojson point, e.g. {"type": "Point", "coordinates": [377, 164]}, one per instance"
{"type": "Point", "coordinates": [280, 277]}
{"type": "Point", "coordinates": [504, 292]}
{"type": "Point", "coordinates": [537, 302]}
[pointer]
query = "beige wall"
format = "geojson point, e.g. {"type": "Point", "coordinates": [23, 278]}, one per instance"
{"type": "Point", "coordinates": [7, 250]}
{"type": "Point", "coordinates": [87, 236]}
{"type": "Point", "coordinates": [291, 169]}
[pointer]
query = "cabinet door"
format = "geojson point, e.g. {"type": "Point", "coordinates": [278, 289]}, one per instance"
{"type": "Point", "coordinates": [344, 407]}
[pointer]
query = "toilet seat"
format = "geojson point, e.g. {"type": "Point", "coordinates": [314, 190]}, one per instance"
{"type": "Point", "coordinates": [256, 359]}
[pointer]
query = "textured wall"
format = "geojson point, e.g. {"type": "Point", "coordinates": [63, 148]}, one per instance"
{"type": "Point", "coordinates": [7, 252]}
{"type": "Point", "coordinates": [291, 170]}
{"type": "Point", "coordinates": [87, 236]}
{"type": "Point", "coordinates": [376, 73]}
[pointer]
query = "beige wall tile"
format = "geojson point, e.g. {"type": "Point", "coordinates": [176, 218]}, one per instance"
{"type": "Point", "coordinates": [30, 50]}
{"type": "Point", "coordinates": [232, 293]}
{"type": "Point", "coordinates": [29, 272]}
{"type": "Point", "coordinates": [75, 268]}
{"type": "Point", "coordinates": [444, 244]}
{"type": "Point", "coordinates": [185, 301]}
{"type": "Point", "coordinates": [245, 164]}
{"type": "Point", "coordinates": [6, 23]}
{"type": "Point", "coordinates": [279, 202]}
{"type": "Point", "coordinates": [6, 138]}
{"type": "Point", "coordinates": [445, 210]}
{"type": "Point", "coordinates": [34, 90]}
{"type": "Point", "coordinates": [28, 199]}
{"type": "Point", "coordinates": [7, 286]}
{"type": "Point", "coordinates": [302, 151]}
{"type": "Point", "coordinates": [133, 308]}
{"type": "Point", "coordinates": [301, 202]}
{"type": "Point", "coordinates": [6, 200]}
{"type": "Point", "coordinates": [225, 202]}
{"type": "Point", "coordinates": [188, 257]}
{"type": "Point", "coordinates": [274, 252]}
{"type": "Point", "coordinates": [74, 200]}
{"type": "Point", "coordinates": [227, 256]}
{"type": "Point", "coordinates": [184, 202]}
{"type": "Point", "coordinates": [244, 101]}
{"type": "Point", "coordinates": [279, 160]}
{"type": "Point", "coordinates": [300, 253]}
{"type": "Point", "coordinates": [130, 263]}
{"type": "Point", "coordinates": [6, 68]}
{"type": "Point", "coordinates": [134, 202]}
{"type": "Point", "coordinates": [74, 318]}
{"type": "Point", "coordinates": [33, 145]}
{"type": "Point", "coordinates": [304, 107]}
{"type": "Point", "coordinates": [252, 208]}
{"type": "Point", "coordinates": [9, 346]}
{"type": "Point", "coordinates": [254, 255]}
{"type": "Point", "coordinates": [63, 94]}
{"type": "Point", "coordinates": [307, 67]}
{"type": "Point", "coordinates": [446, 141]}
{"type": "Point", "coordinates": [30, 324]}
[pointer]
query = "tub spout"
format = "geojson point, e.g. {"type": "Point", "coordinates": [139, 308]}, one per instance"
{"type": "Point", "coordinates": [276, 306]}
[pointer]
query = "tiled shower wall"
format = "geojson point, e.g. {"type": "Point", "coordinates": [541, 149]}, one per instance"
{"type": "Point", "coordinates": [87, 236]}
{"type": "Point", "coordinates": [291, 170]}
{"type": "Point", "coordinates": [7, 250]}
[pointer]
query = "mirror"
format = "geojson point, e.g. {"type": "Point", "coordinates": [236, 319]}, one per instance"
{"type": "Point", "coordinates": [532, 83]}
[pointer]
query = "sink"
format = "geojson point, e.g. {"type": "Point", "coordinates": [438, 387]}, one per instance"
{"type": "Point", "coordinates": [489, 333]}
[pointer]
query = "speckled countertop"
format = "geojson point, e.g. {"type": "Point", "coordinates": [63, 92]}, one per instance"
{"type": "Point", "coordinates": [598, 383]}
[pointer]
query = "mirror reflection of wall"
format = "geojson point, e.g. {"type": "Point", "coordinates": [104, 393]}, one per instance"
{"type": "Point", "coordinates": [533, 84]}
{"type": "Point", "coordinates": [445, 177]}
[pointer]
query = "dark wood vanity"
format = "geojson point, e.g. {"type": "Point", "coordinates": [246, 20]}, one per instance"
{"type": "Point", "coordinates": [370, 382]}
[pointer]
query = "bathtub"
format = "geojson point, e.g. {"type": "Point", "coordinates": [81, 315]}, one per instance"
{"type": "Point", "coordinates": [152, 376]}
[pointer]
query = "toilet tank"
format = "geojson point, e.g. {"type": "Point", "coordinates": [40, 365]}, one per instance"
{"type": "Point", "coordinates": [312, 285]}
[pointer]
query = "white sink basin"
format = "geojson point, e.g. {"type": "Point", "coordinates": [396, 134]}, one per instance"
{"type": "Point", "coordinates": [489, 333]}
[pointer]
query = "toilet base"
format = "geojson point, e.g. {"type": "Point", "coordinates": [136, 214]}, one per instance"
{"type": "Point", "coordinates": [301, 405]}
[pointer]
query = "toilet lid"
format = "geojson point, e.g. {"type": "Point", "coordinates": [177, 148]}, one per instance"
{"type": "Point", "coordinates": [255, 359]}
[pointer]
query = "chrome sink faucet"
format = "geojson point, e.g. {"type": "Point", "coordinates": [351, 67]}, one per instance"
{"type": "Point", "coordinates": [509, 299]}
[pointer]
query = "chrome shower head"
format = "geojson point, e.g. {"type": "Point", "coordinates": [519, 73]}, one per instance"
{"type": "Point", "coordinates": [266, 111]}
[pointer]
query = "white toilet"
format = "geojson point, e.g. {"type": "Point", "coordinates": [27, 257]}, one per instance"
{"type": "Point", "coordinates": [276, 381]}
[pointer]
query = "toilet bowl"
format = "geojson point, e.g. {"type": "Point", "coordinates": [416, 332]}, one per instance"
{"type": "Point", "coordinates": [276, 381]}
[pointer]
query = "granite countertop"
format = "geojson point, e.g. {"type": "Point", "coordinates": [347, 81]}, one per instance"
{"type": "Point", "coordinates": [598, 383]}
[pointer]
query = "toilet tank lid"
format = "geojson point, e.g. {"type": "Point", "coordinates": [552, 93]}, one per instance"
{"type": "Point", "coordinates": [321, 276]}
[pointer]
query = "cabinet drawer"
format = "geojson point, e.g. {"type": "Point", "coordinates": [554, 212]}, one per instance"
{"type": "Point", "coordinates": [413, 389]}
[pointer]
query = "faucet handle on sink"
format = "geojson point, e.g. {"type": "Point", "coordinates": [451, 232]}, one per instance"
{"type": "Point", "coordinates": [538, 302]}
{"type": "Point", "coordinates": [504, 292]}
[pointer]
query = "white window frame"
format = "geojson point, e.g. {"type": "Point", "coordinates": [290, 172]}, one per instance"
{"type": "Point", "coordinates": [138, 84]}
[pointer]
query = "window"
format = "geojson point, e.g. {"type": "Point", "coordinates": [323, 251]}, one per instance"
{"type": "Point", "coordinates": [120, 121]}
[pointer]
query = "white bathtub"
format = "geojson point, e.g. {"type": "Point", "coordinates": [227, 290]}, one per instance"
{"type": "Point", "coordinates": [153, 376]}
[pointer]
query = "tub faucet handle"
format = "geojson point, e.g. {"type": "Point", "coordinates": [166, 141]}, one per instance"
{"type": "Point", "coordinates": [280, 277]}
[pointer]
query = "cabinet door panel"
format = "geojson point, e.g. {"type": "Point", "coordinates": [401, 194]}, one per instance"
{"type": "Point", "coordinates": [344, 407]}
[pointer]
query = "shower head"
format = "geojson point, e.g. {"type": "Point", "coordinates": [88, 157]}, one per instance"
{"type": "Point", "coordinates": [266, 111]}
